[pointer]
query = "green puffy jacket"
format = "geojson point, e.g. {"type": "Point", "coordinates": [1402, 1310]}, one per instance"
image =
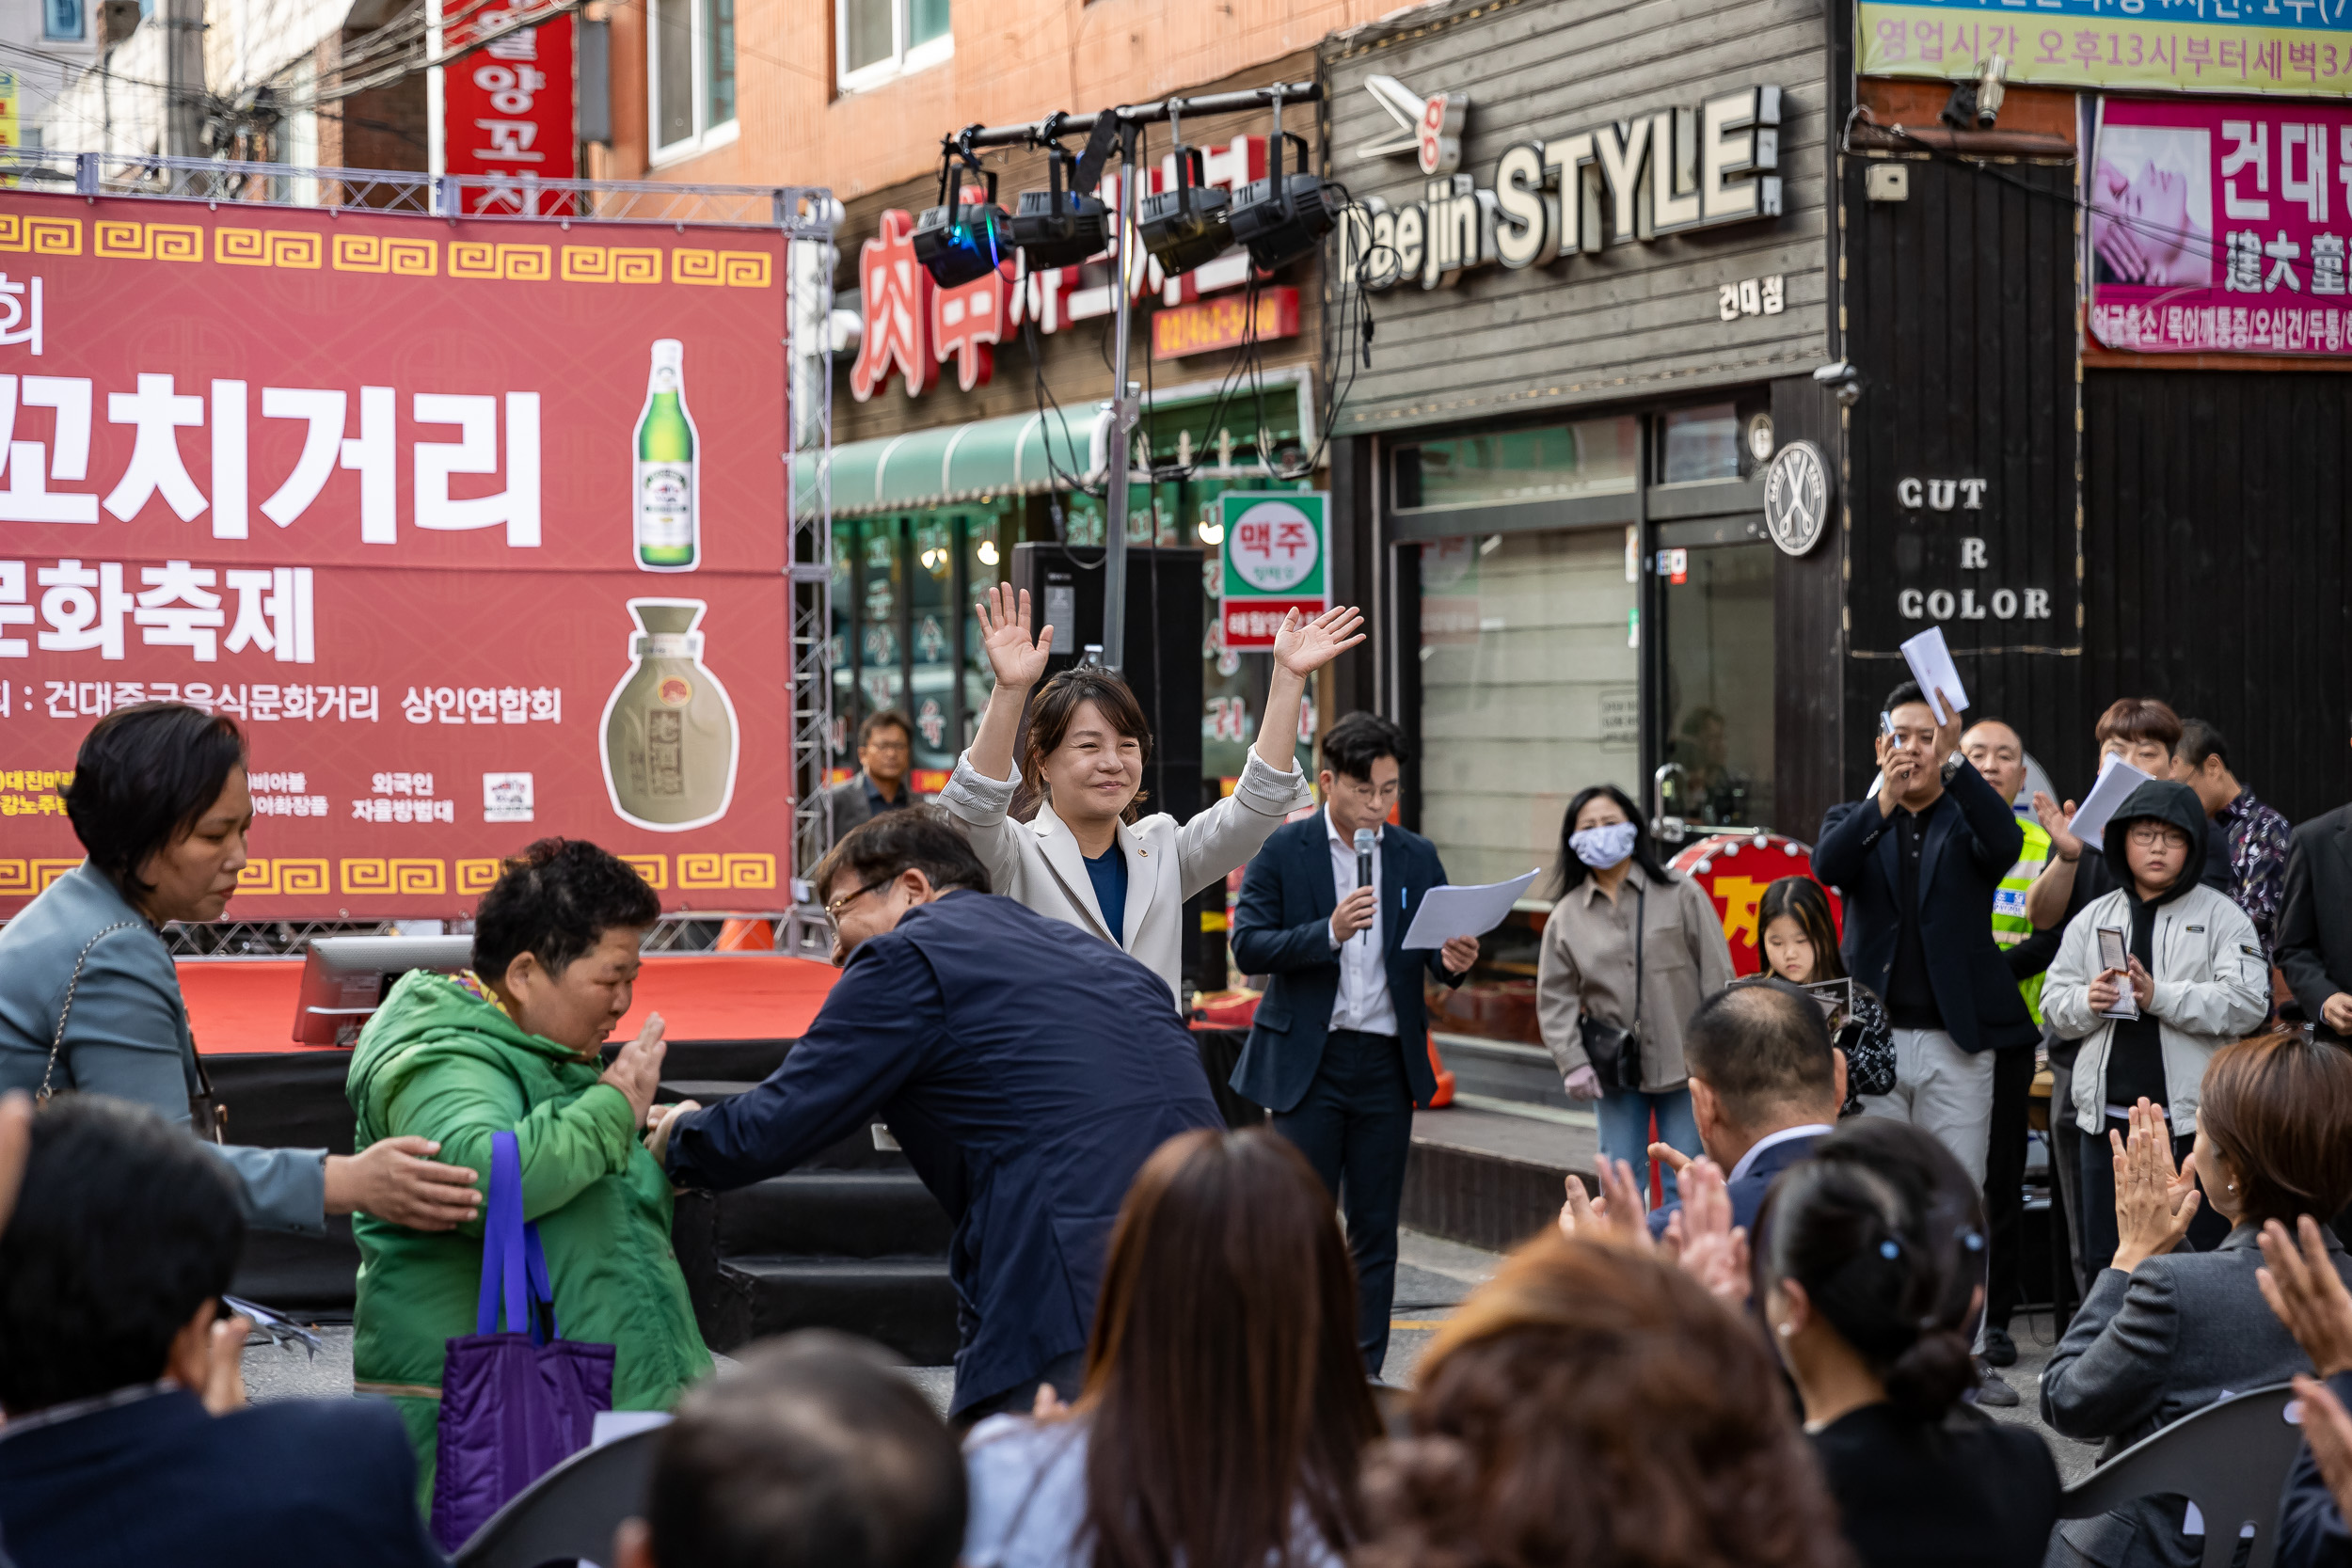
{"type": "Point", "coordinates": [440, 1062]}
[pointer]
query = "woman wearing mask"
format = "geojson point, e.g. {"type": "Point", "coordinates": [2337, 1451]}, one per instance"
{"type": "Point", "coordinates": [1628, 953]}
{"type": "Point", "coordinates": [1090, 856]}
{"type": "Point", "coordinates": [1799, 941]}
{"type": "Point", "coordinates": [1870, 1267]}
{"type": "Point", "coordinates": [89, 996]}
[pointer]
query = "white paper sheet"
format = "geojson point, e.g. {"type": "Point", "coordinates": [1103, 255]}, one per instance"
{"type": "Point", "coordinates": [1447, 912]}
{"type": "Point", "coordinates": [2115, 785]}
{"type": "Point", "coordinates": [1931, 666]}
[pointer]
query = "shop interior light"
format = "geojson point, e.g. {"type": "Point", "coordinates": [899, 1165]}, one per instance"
{"type": "Point", "coordinates": [1054, 227]}
{"type": "Point", "coordinates": [1282, 219]}
{"type": "Point", "coordinates": [1189, 226]}
{"type": "Point", "coordinates": [958, 240]}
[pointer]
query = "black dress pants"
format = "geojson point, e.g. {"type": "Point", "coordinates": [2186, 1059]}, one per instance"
{"type": "Point", "coordinates": [2005, 1179]}
{"type": "Point", "coordinates": [1355, 1127]}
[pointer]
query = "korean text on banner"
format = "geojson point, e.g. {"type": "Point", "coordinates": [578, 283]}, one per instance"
{"type": "Point", "coordinates": [1275, 545]}
{"type": "Point", "coordinates": [506, 109]}
{"type": "Point", "coordinates": [2296, 48]}
{"type": "Point", "coordinates": [471, 527]}
{"type": "Point", "coordinates": [2219, 226]}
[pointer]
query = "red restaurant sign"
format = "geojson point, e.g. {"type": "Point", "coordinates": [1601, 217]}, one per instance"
{"type": "Point", "coordinates": [1214, 323]}
{"type": "Point", "coordinates": [506, 111]}
{"type": "Point", "coordinates": [472, 526]}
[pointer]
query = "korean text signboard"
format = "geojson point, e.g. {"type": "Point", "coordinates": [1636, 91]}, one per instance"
{"type": "Point", "coordinates": [2296, 47]}
{"type": "Point", "coordinates": [475, 527]}
{"type": "Point", "coordinates": [1275, 547]}
{"type": "Point", "coordinates": [506, 111]}
{"type": "Point", "coordinates": [2220, 225]}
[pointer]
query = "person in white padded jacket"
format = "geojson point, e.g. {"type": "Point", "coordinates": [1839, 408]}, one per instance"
{"type": "Point", "coordinates": [1088, 857]}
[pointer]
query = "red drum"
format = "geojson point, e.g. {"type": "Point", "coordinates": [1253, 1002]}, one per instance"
{"type": "Point", "coordinates": [1735, 869]}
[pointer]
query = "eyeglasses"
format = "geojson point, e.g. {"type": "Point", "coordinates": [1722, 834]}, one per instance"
{"type": "Point", "coordinates": [833, 910]}
{"type": "Point", "coordinates": [2150, 835]}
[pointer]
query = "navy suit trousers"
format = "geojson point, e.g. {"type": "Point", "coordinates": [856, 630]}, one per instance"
{"type": "Point", "coordinates": [1355, 1127]}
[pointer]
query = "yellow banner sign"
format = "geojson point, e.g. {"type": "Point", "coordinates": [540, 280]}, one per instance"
{"type": "Point", "coordinates": [2179, 45]}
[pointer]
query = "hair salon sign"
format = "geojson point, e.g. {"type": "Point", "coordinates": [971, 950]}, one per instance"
{"type": "Point", "coordinates": [1666, 171]}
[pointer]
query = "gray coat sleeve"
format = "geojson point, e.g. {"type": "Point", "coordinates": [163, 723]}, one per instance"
{"type": "Point", "coordinates": [2107, 1375]}
{"type": "Point", "coordinates": [126, 1037]}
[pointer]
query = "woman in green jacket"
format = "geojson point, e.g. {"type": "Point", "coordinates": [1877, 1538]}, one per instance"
{"type": "Point", "coordinates": [512, 1044]}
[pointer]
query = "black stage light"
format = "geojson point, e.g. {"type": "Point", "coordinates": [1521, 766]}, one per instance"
{"type": "Point", "coordinates": [1058, 228]}
{"type": "Point", "coordinates": [958, 241]}
{"type": "Point", "coordinates": [1188, 226]}
{"type": "Point", "coordinates": [1282, 219]}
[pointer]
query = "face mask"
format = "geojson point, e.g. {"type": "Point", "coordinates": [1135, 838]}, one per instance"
{"type": "Point", "coordinates": [1602, 848]}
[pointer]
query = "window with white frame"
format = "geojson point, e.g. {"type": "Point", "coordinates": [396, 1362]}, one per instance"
{"type": "Point", "coordinates": [690, 64]}
{"type": "Point", "coordinates": [880, 40]}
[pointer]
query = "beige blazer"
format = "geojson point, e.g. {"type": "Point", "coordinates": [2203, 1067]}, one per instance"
{"type": "Point", "coordinates": [1039, 863]}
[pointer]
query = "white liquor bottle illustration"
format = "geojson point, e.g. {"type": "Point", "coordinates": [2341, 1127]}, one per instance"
{"type": "Point", "coordinates": [669, 733]}
{"type": "Point", "coordinates": [669, 472]}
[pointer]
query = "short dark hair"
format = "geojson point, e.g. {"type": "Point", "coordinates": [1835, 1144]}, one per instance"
{"type": "Point", "coordinates": [1351, 746]}
{"type": "Point", "coordinates": [881, 718]}
{"type": "Point", "coordinates": [1053, 708]}
{"type": "Point", "coordinates": [1762, 1046]}
{"type": "Point", "coordinates": [144, 777]}
{"type": "Point", "coordinates": [913, 839]}
{"type": "Point", "coordinates": [124, 1226]}
{"type": "Point", "coordinates": [816, 1452]}
{"type": "Point", "coordinates": [1905, 691]}
{"type": "Point", "coordinates": [2200, 740]}
{"type": "Point", "coordinates": [555, 901]}
{"type": "Point", "coordinates": [2138, 718]}
{"type": "Point", "coordinates": [2275, 1106]}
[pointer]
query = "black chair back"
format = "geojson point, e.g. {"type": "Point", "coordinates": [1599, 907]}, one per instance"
{"type": "Point", "coordinates": [569, 1512]}
{"type": "Point", "coordinates": [2230, 1459]}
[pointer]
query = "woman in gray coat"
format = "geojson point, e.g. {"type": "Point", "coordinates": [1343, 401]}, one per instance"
{"type": "Point", "coordinates": [159, 801]}
{"type": "Point", "coordinates": [2165, 1333]}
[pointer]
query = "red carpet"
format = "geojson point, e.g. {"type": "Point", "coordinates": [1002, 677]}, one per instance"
{"type": "Point", "coordinates": [241, 1005]}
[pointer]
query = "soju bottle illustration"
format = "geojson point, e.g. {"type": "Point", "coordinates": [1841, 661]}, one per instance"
{"type": "Point", "coordinates": [669, 731]}
{"type": "Point", "coordinates": [669, 492]}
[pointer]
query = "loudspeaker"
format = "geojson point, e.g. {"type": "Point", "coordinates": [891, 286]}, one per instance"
{"type": "Point", "coordinates": [1163, 665]}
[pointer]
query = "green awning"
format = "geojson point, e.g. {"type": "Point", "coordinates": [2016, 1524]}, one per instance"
{"type": "Point", "coordinates": [958, 463]}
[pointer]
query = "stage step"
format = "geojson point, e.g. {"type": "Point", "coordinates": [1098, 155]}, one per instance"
{"type": "Point", "coordinates": [834, 1212]}
{"type": "Point", "coordinates": [905, 1304]}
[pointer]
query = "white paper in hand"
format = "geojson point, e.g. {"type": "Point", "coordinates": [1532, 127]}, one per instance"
{"type": "Point", "coordinates": [2116, 782]}
{"type": "Point", "coordinates": [1447, 912]}
{"type": "Point", "coordinates": [1931, 666]}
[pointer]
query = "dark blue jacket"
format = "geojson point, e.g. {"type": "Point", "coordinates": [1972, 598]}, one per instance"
{"type": "Point", "coordinates": [1972, 839]}
{"type": "Point", "coordinates": [1026, 1071]}
{"type": "Point", "coordinates": [1747, 1193]}
{"type": "Point", "coordinates": [2310, 1526]}
{"type": "Point", "coordinates": [293, 1484]}
{"type": "Point", "coordinates": [1282, 929]}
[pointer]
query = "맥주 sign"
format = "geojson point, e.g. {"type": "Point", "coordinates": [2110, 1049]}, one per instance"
{"type": "Point", "coordinates": [472, 525]}
{"type": "Point", "coordinates": [2219, 226]}
{"type": "Point", "coordinates": [1275, 542]}
{"type": "Point", "coordinates": [2296, 47]}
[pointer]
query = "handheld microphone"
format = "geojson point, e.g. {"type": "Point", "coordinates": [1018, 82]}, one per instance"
{"type": "Point", "coordinates": [1365, 840]}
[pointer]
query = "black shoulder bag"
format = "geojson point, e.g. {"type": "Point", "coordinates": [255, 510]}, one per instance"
{"type": "Point", "coordinates": [1616, 1053]}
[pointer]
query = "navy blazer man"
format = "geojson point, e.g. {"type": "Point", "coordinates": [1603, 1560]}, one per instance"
{"type": "Point", "coordinates": [1339, 1051]}
{"type": "Point", "coordinates": [1026, 1075]}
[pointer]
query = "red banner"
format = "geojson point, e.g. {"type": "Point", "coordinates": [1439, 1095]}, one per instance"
{"type": "Point", "coordinates": [506, 111]}
{"type": "Point", "coordinates": [477, 528]}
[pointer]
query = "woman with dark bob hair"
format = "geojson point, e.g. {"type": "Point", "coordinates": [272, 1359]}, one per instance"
{"type": "Point", "coordinates": [1225, 1407]}
{"type": "Point", "coordinates": [90, 998]}
{"type": "Point", "coordinates": [1593, 1405]}
{"type": "Point", "coordinates": [1870, 1270]}
{"type": "Point", "coordinates": [515, 1045]}
{"type": "Point", "coordinates": [2165, 1332]}
{"type": "Point", "coordinates": [1089, 857]}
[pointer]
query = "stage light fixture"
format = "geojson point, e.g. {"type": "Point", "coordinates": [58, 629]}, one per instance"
{"type": "Point", "coordinates": [958, 240]}
{"type": "Point", "coordinates": [1054, 227]}
{"type": "Point", "coordinates": [1282, 219]}
{"type": "Point", "coordinates": [1189, 226]}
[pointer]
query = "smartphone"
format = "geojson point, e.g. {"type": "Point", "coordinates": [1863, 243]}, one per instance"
{"type": "Point", "coordinates": [2114, 954]}
{"type": "Point", "coordinates": [1887, 725]}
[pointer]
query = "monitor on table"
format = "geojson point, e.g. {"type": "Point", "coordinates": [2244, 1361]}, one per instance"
{"type": "Point", "coordinates": [344, 979]}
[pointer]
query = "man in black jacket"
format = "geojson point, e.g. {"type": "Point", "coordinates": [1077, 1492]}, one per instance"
{"type": "Point", "coordinates": [2315, 931]}
{"type": "Point", "coordinates": [126, 1445]}
{"type": "Point", "coordinates": [1339, 1049]}
{"type": "Point", "coordinates": [1919, 868]}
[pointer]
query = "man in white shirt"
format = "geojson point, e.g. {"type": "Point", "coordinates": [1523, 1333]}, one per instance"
{"type": "Point", "coordinates": [1339, 1051]}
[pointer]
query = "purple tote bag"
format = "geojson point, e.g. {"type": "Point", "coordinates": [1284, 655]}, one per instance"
{"type": "Point", "coordinates": [514, 1406]}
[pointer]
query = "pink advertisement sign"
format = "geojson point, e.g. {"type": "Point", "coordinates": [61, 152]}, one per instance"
{"type": "Point", "coordinates": [2219, 226]}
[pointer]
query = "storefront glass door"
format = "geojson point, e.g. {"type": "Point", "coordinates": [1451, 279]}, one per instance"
{"type": "Point", "coordinates": [1715, 708]}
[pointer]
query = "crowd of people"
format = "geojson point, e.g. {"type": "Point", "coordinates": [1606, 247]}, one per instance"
{"type": "Point", "coordinates": [1172, 1333]}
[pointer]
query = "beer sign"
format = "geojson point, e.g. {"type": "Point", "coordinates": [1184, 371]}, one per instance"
{"type": "Point", "coordinates": [1275, 542]}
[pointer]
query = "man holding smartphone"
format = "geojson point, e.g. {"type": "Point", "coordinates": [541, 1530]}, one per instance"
{"type": "Point", "coordinates": [2154, 978]}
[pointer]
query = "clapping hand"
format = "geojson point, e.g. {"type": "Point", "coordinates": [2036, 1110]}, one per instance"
{"type": "Point", "coordinates": [1019, 663]}
{"type": "Point", "coordinates": [1701, 1237]}
{"type": "Point", "coordinates": [2153, 1202]}
{"type": "Point", "coordinates": [2057, 821]}
{"type": "Point", "coordinates": [637, 1070]}
{"type": "Point", "coordinates": [1302, 647]}
{"type": "Point", "coordinates": [1617, 1215]}
{"type": "Point", "coordinates": [2308, 1294]}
